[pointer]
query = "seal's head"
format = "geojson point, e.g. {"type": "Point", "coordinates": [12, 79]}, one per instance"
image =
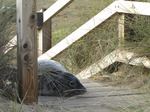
{"type": "Point", "coordinates": [60, 84]}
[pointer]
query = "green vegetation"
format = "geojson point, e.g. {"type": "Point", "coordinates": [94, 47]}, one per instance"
{"type": "Point", "coordinates": [84, 52]}
{"type": "Point", "coordinates": [102, 40]}
{"type": "Point", "coordinates": [137, 33]}
{"type": "Point", "coordinates": [94, 46]}
{"type": "Point", "coordinates": [7, 31]}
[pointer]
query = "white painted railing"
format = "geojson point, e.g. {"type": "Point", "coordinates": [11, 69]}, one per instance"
{"type": "Point", "coordinates": [116, 7]}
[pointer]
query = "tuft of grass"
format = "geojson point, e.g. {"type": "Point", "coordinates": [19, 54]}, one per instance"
{"type": "Point", "coordinates": [7, 31]}
{"type": "Point", "coordinates": [94, 46]}
{"type": "Point", "coordinates": [137, 29]}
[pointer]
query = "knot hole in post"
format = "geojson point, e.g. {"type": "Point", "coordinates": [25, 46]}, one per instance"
{"type": "Point", "coordinates": [32, 20]}
{"type": "Point", "coordinates": [25, 45]}
{"type": "Point", "coordinates": [26, 57]}
{"type": "Point", "coordinates": [33, 16]}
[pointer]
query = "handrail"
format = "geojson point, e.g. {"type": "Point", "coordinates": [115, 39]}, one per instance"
{"type": "Point", "coordinates": [133, 7]}
{"type": "Point", "coordinates": [116, 7]}
{"type": "Point", "coordinates": [55, 9]}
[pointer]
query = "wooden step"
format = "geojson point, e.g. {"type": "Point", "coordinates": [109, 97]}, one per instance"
{"type": "Point", "coordinates": [118, 55]}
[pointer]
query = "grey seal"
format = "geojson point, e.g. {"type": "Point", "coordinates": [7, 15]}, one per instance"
{"type": "Point", "coordinates": [55, 80]}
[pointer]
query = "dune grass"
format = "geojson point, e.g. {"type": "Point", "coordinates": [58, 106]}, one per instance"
{"type": "Point", "coordinates": [94, 46]}
{"type": "Point", "coordinates": [102, 40]}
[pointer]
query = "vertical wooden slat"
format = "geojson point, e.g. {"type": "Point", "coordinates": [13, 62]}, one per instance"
{"type": "Point", "coordinates": [27, 51]}
{"type": "Point", "coordinates": [44, 38]}
{"type": "Point", "coordinates": [121, 28]}
{"type": "Point", "coordinates": [47, 35]}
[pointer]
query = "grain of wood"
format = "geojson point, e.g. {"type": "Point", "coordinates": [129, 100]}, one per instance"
{"type": "Point", "coordinates": [27, 51]}
{"type": "Point", "coordinates": [44, 38]}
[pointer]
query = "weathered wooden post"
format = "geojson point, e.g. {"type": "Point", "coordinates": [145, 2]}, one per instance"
{"type": "Point", "coordinates": [27, 51]}
{"type": "Point", "coordinates": [44, 36]}
{"type": "Point", "coordinates": [121, 28]}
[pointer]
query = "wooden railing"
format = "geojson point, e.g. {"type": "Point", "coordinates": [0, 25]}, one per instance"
{"type": "Point", "coordinates": [114, 8]}
{"type": "Point", "coordinates": [117, 55]}
{"type": "Point", "coordinates": [120, 55]}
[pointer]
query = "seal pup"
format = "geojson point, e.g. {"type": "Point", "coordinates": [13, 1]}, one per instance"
{"type": "Point", "coordinates": [55, 80]}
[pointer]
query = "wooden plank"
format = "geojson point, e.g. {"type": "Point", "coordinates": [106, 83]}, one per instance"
{"type": "Point", "coordinates": [80, 32]}
{"type": "Point", "coordinates": [44, 38]}
{"type": "Point", "coordinates": [104, 99]}
{"type": "Point", "coordinates": [55, 9]}
{"type": "Point", "coordinates": [39, 19]}
{"type": "Point", "coordinates": [115, 56]}
{"type": "Point", "coordinates": [121, 28]}
{"type": "Point", "coordinates": [132, 7]}
{"type": "Point", "coordinates": [27, 51]}
{"type": "Point", "coordinates": [132, 58]}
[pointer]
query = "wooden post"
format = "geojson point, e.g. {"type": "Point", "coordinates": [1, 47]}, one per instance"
{"type": "Point", "coordinates": [44, 38]}
{"type": "Point", "coordinates": [121, 28]}
{"type": "Point", "coordinates": [27, 51]}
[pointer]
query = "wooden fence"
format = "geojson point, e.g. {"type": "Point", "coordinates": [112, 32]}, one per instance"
{"type": "Point", "coordinates": [130, 7]}
{"type": "Point", "coordinates": [108, 12]}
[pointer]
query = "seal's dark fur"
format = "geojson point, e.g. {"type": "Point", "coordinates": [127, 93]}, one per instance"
{"type": "Point", "coordinates": [54, 80]}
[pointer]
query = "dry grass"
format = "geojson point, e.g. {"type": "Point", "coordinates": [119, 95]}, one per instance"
{"type": "Point", "coordinates": [92, 47]}
{"type": "Point", "coordinates": [101, 41]}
